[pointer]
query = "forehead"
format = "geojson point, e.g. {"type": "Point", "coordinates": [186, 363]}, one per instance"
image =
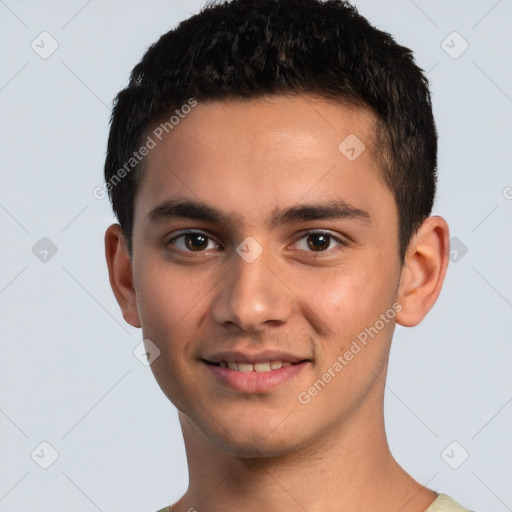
{"type": "Point", "coordinates": [263, 153]}
{"type": "Point", "coordinates": [273, 123]}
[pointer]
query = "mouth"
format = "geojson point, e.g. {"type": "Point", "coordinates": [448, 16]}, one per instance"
{"type": "Point", "coordinates": [264, 366]}
{"type": "Point", "coordinates": [256, 377]}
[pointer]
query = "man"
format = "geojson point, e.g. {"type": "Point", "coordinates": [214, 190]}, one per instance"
{"type": "Point", "coordinates": [272, 164]}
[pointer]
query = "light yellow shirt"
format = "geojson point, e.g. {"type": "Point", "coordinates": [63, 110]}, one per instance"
{"type": "Point", "coordinates": [443, 503]}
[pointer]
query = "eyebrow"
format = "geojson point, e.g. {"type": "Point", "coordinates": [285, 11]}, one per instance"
{"type": "Point", "coordinates": [337, 209]}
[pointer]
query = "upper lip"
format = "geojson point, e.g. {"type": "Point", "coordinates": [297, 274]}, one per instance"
{"type": "Point", "coordinates": [257, 357]}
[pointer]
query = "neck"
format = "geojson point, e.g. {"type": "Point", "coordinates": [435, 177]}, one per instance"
{"type": "Point", "coordinates": [349, 469]}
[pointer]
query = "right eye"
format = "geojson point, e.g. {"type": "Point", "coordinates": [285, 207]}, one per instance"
{"type": "Point", "coordinates": [193, 241]}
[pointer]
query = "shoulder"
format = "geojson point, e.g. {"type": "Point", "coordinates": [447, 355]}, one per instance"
{"type": "Point", "coordinates": [444, 503]}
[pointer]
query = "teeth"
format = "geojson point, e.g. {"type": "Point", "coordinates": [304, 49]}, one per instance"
{"type": "Point", "coordinates": [245, 367]}
{"type": "Point", "coordinates": [256, 367]}
{"type": "Point", "coordinates": [262, 367]}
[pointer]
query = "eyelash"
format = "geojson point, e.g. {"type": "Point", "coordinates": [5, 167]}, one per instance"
{"type": "Point", "coordinates": [189, 253]}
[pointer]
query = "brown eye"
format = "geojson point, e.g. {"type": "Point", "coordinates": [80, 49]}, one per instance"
{"type": "Point", "coordinates": [196, 241]}
{"type": "Point", "coordinates": [193, 241]}
{"type": "Point", "coordinates": [318, 241]}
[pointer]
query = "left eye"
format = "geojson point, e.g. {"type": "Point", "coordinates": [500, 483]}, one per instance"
{"type": "Point", "coordinates": [317, 242]}
{"type": "Point", "coordinates": [193, 241]}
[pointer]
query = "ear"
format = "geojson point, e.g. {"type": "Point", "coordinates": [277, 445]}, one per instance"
{"type": "Point", "coordinates": [423, 272]}
{"type": "Point", "coordinates": [121, 273]}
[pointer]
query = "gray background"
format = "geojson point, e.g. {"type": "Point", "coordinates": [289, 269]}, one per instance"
{"type": "Point", "coordinates": [68, 375]}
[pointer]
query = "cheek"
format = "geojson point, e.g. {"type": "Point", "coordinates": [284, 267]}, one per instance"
{"type": "Point", "coordinates": [169, 303]}
{"type": "Point", "coordinates": [348, 299]}
{"type": "Point", "coordinates": [355, 350]}
{"type": "Point", "coordinates": [167, 297]}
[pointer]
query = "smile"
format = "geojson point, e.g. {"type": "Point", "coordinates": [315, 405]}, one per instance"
{"type": "Point", "coordinates": [264, 366]}
{"type": "Point", "coordinates": [261, 377]}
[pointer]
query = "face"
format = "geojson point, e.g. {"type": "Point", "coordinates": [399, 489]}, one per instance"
{"type": "Point", "coordinates": [263, 255]}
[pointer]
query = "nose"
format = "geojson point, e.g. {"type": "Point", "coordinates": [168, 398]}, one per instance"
{"type": "Point", "coordinates": [252, 296]}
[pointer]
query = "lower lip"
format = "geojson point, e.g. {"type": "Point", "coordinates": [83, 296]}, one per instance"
{"type": "Point", "coordinates": [256, 382]}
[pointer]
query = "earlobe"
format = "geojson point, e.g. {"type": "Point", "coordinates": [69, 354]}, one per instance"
{"type": "Point", "coordinates": [121, 274]}
{"type": "Point", "coordinates": [424, 271]}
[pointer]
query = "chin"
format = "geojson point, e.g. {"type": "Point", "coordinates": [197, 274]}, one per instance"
{"type": "Point", "coordinates": [255, 447]}
{"type": "Point", "coordinates": [250, 437]}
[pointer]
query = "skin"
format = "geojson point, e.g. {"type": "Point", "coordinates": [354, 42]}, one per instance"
{"type": "Point", "coordinates": [268, 451]}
